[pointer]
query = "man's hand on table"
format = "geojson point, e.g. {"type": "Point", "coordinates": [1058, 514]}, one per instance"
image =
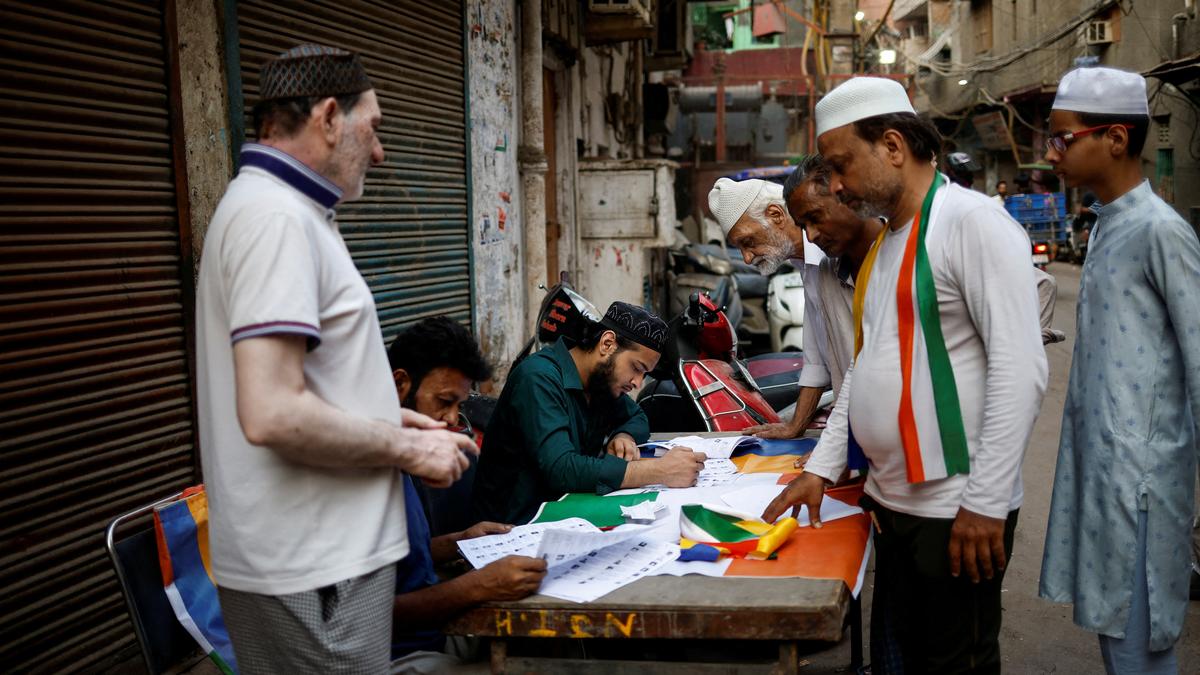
{"type": "Point", "coordinates": [437, 456]}
{"type": "Point", "coordinates": [484, 528]}
{"type": "Point", "coordinates": [976, 545]}
{"type": "Point", "coordinates": [780, 430]}
{"type": "Point", "coordinates": [807, 489]}
{"type": "Point", "coordinates": [622, 445]}
{"type": "Point", "coordinates": [680, 467]}
{"type": "Point", "coordinates": [510, 578]}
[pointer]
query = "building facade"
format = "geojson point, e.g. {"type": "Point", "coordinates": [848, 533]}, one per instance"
{"type": "Point", "coordinates": [121, 127]}
{"type": "Point", "coordinates": [987, 72]}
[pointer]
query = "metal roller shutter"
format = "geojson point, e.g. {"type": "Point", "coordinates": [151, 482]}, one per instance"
{"type": "Point", "coordinates": [409, 233]}
{"type": "Point", "coordinates": [95, 391]}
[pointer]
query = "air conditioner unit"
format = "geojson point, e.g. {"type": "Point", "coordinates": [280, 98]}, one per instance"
{"type": "Point", "coordinates": [640, 8]}
{"type": "Point", "coordinates": [1099, 33]}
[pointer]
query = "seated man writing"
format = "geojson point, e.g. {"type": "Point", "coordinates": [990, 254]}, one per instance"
{"type": "Point", "coordinates": [434, 363]}
{"type": "Point", "coordinates": [564, 422]}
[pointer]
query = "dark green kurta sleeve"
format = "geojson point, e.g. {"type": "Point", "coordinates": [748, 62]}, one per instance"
{"type": "Point", "coordinates": [544, 416]}
{"type": "Point", "coordinates": [630, 419]}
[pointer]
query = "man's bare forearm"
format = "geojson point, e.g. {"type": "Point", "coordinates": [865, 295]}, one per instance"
{"type": "Point", "coordinates": [433, 606]}
{"type": "Point", "coordinates": [806, 407]}
{"type": "Point", "coordinates": [310, 431]}
{"type": "Point", "coordinates": [277, 410]}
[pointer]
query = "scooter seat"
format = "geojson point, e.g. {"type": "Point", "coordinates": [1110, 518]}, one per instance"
{"type": "Point", "coordinates": [752, 285]}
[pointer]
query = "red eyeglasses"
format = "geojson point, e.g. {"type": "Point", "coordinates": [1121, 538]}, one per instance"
{"type": "Point", "coordinates": [1059, 142]}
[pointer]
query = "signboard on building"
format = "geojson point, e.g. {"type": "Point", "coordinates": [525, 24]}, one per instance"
{"type": "Point", "coordinates": [992, 130]}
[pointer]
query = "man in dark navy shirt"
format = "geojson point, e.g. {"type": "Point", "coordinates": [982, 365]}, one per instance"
{"type": "Point", "coordinates": [434, 364]}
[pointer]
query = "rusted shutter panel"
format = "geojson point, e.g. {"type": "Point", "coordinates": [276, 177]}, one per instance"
{"type": "Point", "coordinates": [95, 403]}
{"type": "Point", "coordinates": [409, 233]}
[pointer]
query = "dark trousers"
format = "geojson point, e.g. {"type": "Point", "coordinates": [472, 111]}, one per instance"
{"type": "Point", "coordinates": [922, 619]}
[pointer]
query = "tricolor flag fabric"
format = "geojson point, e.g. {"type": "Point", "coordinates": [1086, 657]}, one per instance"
{"type": "Point", "coordinates": [714, 528]}
{"type": "Point", "coordinates": [181, 528]}
{"type": "Point", "coordinates": [929, 415]}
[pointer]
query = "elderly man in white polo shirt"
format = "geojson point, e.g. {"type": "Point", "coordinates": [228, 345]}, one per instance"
{"type": "Point", "coordinates": [302, 437]}
{"type": "Point", "coordinates": [946, 383]}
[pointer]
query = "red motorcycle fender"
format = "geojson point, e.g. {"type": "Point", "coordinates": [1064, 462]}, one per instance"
{"type": "Point", "coordinates": [725, 403]}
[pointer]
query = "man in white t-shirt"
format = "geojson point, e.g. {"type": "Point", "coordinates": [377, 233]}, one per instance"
{"type": "Point", "coordinates": [302, 437]}
{"type": "Point", "coordinates": [944, 389]}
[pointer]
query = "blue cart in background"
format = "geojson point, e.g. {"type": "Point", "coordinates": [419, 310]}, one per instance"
{"type": "Point", "coordinates": [1044, 217]}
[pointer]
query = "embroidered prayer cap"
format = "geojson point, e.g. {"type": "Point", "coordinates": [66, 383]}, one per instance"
{"type": "Point", "coordinates": [859, 98]}
{"type": "Point", "coordinates": [637, 324]}
{"type": "Point", "coordinates": [729, 199]}
{"type": "Point", "coordinates": [312, 70]}
{"type": "Point", "coordinates": [1106, 91]}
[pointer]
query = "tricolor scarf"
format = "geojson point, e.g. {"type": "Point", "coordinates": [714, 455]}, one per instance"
{"type": "Point", "coordinates": [930, 417]}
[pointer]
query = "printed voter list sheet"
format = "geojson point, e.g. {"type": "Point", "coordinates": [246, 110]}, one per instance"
{"type": "Point", "coordinates": [601, 572]}
{"type": "Point", "coordinates": [564, 545]}
{"type": "Point", "coordinates": [521, 540]}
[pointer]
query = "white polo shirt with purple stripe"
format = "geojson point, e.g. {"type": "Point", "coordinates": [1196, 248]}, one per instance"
{"type": "Point", "coordinates": [274, 263]}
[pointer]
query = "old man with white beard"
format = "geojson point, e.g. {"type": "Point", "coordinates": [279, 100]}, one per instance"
{"type": "Point", "coordinates": [754, 218]}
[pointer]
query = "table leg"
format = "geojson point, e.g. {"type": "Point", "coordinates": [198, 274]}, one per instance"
{"type": "Point", "coordinates": [499, 656]}
{"type": "Point", "coordinates": [789, 659]}
{"type": "Point", "coordinates": [856, 634]}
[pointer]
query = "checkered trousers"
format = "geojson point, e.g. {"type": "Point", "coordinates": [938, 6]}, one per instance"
{"type": "Point", "coordinates": [345, 628]}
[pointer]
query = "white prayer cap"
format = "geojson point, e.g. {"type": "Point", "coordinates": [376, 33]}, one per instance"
{"type": "Point", "coordinates": [1107, 91]}
{"type": "Point", "coordinates": [859, 98]}
{"type": "Point", "coordinates": [729, 199]}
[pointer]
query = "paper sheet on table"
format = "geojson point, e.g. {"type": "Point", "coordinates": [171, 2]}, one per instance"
{"type": "Point", "coordinates": [584, 562]}
{"type": "Point", "coordinates": [563, 545]}
{"type": "Point", "coordinates": [715, 472]}
{"type": "Point", "coordinates": [521, 540]}
{"type": "Point", "coordinates": [755, 499]}
{"type": "Point", "coordinates": [714, 448]}
{"type": "Point", "coordinates": [601, 572]}
{"type": "Point", "coordinates": [645, 512]}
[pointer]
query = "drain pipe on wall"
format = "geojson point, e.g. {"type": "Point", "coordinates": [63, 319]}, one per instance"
{"type": "Point", "coordinates": [1177, 22]}
{"type": "Point", "coordinates": [531, 157]}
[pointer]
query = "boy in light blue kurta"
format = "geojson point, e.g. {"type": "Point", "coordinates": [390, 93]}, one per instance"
{"type": "Point", "coordinates": [1117, 544]}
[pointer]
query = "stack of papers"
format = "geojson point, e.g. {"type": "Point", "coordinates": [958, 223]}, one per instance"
{"type": "Point", "coordinates": [584, 562]}
{"type": "Point", "coordinates": [714, 448]}
{"type": "Point", "coordinates": [521, 540]}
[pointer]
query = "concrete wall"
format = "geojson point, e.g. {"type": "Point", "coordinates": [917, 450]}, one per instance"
{"type": "Point", "coordinates": [204, 103]}
{"type": "Point", "coordinates": [616, 267]}
{"type": "Point", "coordinates": [567, 130]}
{"type": "Point", "coordinates": [495, 182]}
{"type": "Point", "coordinates": [604, 71]}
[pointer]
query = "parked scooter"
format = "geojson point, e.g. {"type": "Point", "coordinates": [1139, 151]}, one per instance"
{"type": "Point", "coordinates": [701, 385]}
{"type": "Point", "coordinates": [785, 310]}
{"type": "Point", "coordinates": [746, 296]}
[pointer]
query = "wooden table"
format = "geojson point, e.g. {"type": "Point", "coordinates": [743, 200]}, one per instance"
{"type": "Point", "coordinates": [784, 611]}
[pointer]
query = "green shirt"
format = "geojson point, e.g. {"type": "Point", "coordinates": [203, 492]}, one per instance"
{"type": "Point", "coordinates": [546, 439]}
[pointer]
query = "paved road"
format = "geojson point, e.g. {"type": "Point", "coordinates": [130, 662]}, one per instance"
{"type": "Point", "coordinates": [1038, 636]}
